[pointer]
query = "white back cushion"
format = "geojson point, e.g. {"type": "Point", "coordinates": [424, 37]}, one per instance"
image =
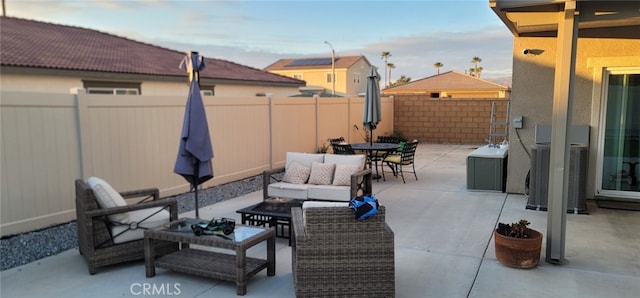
{"type": "Point", "coordinates": [341, 159]}
{"type": "Point", "coordinates": [304, 159]}
{"type": "Point", "coordinates": [107, 197]}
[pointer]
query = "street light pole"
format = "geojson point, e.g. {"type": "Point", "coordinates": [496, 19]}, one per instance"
{"type": "Point", "coordinates": [333, 69]}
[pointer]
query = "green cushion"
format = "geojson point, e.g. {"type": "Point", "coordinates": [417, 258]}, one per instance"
{"type": "Point", "coordinates": [401, 146]}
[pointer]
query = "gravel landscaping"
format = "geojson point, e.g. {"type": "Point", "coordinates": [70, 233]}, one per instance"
{"type": "Point", "coordinates": [20, 249]}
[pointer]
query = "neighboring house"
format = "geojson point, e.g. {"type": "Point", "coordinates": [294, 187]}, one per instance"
{"type": "Point", "coordinates": [50, 58]}
{"type": "Point", "coordinates": [597, 84]}
{"type": "Point", "coordinates": [451, 84]}
{"type": "Point", "coordinates": [350, 72]}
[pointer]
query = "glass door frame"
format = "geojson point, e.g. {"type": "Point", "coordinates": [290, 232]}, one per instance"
{"type": "Point", "coordinates": [601, 135]}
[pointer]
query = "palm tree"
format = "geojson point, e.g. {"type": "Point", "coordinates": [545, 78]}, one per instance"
{"type": "Point", "coordinates": [479, 71]}
{"type": "Point", "coordinates": [437, 65]}
{"type": "Point", "coordinates": [390, 66]}
{"type": "Point", "coordinates": [385, 56]}
{"type": "Point", "coordinates": [472, 72]}
{"type": "Point", "coordinates": [475, 62]}
{"type": "Point", "coordinates": [402, 80]}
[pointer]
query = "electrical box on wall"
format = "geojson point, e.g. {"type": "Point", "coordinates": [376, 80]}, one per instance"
{"type": "Point", "coordinates": [517, 122]}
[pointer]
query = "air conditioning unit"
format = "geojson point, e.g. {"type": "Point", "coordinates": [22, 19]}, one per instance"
{"type": "Point", "coordinates": [539, 178]}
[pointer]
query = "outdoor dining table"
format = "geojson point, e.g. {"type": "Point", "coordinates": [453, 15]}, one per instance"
{"type": "Point", "coordinates": [370, 148]}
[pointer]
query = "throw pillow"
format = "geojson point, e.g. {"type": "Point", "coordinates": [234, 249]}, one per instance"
{"type": "Point", "coordinates": [108, 197]}
{"type": "Point", "coordinates": [343, 174]}
{"type": "Point", "coordinates": [321, 173]}
{"type": "Point", "coordinates": [296, 174]}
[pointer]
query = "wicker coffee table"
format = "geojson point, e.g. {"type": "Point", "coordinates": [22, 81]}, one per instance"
{"type": "Point", "coordinates": [225, 266]}
{"type": "Point", "coordinates": [272, 212]}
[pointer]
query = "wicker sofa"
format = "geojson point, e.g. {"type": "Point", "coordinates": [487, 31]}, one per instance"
{"type": "Point", "coordinates": [335, 255]}
{"type": "Point", "coordinates": [349, 170]}
{"type": "Point", "coordinates": [102, 241]}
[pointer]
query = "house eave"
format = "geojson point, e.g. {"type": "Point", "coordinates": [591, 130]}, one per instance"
{"type": "Point", "coordinates": [538, 18]}
{"type": "Point", "coordinates": [119, 76]}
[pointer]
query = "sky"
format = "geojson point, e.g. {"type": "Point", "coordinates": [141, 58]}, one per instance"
{"type": "Point", "coordinates": [257, 33]}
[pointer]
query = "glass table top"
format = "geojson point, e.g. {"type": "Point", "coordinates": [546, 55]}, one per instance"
{"type": "Point", "coordinates": [240, 233]}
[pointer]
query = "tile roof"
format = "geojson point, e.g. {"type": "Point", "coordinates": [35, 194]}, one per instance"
{"type": "Point", "coordinates": [451, 80]}
{"type": "Point", "coordinates": [34, 44]}
{"type": "Point", "coordinates": [340, 62]}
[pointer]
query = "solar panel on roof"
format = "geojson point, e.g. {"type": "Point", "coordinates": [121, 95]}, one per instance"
{"type": "Point", "coordinates": [312, 61]}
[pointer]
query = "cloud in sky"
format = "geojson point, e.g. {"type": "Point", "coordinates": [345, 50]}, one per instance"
{"type": "Point", "coordinates": [417, 33]}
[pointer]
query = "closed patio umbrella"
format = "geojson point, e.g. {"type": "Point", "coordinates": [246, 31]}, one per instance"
{"type": "Point", "coordinates": [371, 116]}
{"type": "Point", "coordinates": [195, 151]}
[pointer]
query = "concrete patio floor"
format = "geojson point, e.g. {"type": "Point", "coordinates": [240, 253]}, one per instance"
{"type": "Point", "coordinates": [443, 239]}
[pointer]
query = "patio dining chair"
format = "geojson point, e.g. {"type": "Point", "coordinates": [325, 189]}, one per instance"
{"type": "Point", "coordinates": [336, 140]}
{"type": "Point", "coordinates": [378, 156]}
{"type": "Point", "coordinates": [389, 139]}
{"type": "Point", "coordinates": [110, 231]}
{"type": "Point", "coordinates": [343, 148]}
{"type": "Point", "coordinates": [401, 161]}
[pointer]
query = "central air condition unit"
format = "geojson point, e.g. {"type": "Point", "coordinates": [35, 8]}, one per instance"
{"type": "Point", "coordinates": [539, 181]}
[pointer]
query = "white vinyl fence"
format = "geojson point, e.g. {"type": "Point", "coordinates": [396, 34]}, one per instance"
{"type": "Point", "coordinates": [49, 140]}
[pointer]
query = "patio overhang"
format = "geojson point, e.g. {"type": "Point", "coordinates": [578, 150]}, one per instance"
{"type": "Point", "coordinates": [539, 18]}
{"type": "Point", "coordinates": [566, 20]}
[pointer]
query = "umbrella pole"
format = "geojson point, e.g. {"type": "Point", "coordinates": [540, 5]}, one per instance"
{"type": "Point", "coordinates": [196, 196]}
{"type": "Point", "coordinates": [371, 137]}
{"type": "Point", "coordinates": [196, 193]}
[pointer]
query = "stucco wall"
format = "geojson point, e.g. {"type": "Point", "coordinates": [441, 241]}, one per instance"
{"type": "Point", "coordinates": [532, 94]}
{"type": "Point", "coordinates": [362, 68]}
{"type": "Point", "coordinates": [62, 84]}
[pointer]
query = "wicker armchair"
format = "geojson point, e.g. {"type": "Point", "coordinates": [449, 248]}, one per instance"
{"type": "Point", "coordinates": [335, 255]}
{"type": "Point", "coordinates": [95, 240]}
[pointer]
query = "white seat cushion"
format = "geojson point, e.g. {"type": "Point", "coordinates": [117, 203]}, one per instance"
{"type": "Point", "coordinates": [138, 216]}
{"type": "Point", "coordinates": [329, 193]}
{"type": "Point", "coordinates": [288, 190]}
{"type": "Point", "coordinates": [107, 197]}
{"type": "Point", "coordinates": [317, 204]}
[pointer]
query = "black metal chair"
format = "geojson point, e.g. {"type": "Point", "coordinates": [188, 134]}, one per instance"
{"type": "Point", "coordinates": [389, 139]}
{"type": "Point", "coordinates": [378, 156]}
{"type": "Point", "coordinates": [343, 148]}
{"type": "Point", "coordinates": [336, 140]}
{"type": "Point", "coordinates": [404, 158]}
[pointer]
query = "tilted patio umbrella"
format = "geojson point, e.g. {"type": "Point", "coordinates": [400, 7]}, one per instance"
{"type": "Point", "coordinates": [372, 116]}
{"type": "Point", "coordinates": [195, 151]}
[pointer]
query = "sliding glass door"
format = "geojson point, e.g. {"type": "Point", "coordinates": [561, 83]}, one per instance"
{"type": "Point", "coordinates": [619, 164]}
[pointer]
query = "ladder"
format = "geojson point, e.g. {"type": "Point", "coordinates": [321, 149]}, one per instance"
{"type": "Point", "coordinates": [498, 128]}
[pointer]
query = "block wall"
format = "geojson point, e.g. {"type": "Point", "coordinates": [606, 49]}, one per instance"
{"type": "Point", "coordinates": [458, 121]}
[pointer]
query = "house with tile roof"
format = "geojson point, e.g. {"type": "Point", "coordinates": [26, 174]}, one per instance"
{"type": "Point", "coordinates": [43, 57]}
{"type": "Point", "coordinates": [451, 85]}
{"type": "Point", "coordinates": [350, 72]}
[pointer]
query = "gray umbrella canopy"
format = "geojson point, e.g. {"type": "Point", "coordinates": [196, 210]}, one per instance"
{"type": "Point", "coordinates": [195, 151]}
{"type": "Point", "coordinates": [372, 115]}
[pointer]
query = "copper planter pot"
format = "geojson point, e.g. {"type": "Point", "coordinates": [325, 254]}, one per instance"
{"type": "Point", "coordinates": [518, 252]}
